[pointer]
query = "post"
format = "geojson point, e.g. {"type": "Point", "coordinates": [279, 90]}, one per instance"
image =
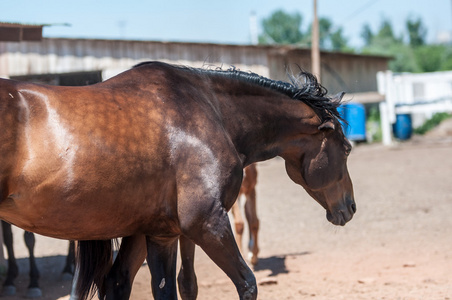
{"type": "Point", "coordinates": [315, 51]}
{"type": "Point", "coordinates": [253, 29]}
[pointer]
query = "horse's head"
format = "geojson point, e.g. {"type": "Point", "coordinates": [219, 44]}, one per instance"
{"type": "Point", "coordinates": [319, 164]}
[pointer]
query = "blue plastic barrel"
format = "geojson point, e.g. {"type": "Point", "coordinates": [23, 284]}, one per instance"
{"type": "Point", "coordinates": [355, 115]}
{"type": "Point", "coordinates": [403, 128]}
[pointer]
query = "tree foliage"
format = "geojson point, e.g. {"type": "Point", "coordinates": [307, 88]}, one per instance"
{"type": "Point", "coordinates": [409, 49]}
{"type": "Point", "coordinates": [284, 28]}
{"type": "Point", "coordinates": [416, 32]}
{"type": "Point", "coordinates": [411, 54]}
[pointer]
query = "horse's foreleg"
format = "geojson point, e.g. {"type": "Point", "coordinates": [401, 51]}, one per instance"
{"type": "Point", "coordinates": [161, 258]}
{"type": "Point", "coordinates": [188, 285]}
{"type": "Point", "coordinates": [13, 270]}
{"type": "Point", "coordinates": [33, 288]}
{"type": "Point", "coordinates": [238, 223]}
{"type": "Point", "coordinates": [216, 238]}
{"type": "Point", "coordinates": [253, 225]}
{"type": "Point", "coordinates": [131, 255]}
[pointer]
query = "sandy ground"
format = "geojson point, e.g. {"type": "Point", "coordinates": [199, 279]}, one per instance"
{"type": "Point", "coordinates": [398, 245]}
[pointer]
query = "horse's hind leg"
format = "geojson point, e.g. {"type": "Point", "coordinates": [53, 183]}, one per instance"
{"type": "Point", "coordinates": [13, 271]}
{"type": "Point", "coordinates": [188, 286]}
{"type": "Point", "coordinates": [131, 255]}
{"type": "Point", "coordinates": [253, 225]}
{"type": "Point", "coordinates": [33, 288]}
{"type": "Point", "coordinates": [161, 258]}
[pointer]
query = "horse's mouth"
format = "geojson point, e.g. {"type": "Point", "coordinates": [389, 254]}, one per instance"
{"type": "Point", "coordinates": [341, 216]}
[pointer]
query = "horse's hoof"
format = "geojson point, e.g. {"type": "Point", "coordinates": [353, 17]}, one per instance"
{"type": "Point", "coordinates": [34, 293]}
{"type": "Point", "coordinates": [9, 290]}
{"type": "Point", "coordinates": [66, 276]}
{"type": "Point", "coordinates": [253, 259]}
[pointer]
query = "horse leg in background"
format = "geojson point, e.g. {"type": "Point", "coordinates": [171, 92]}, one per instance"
{"type": "Point", "coordinates": [68, 270]}
{"type": "Point", "coordinates": [188, 285]}
{"type": "Point", "coordinates": [131, 255]}
{"type": "Point", "coordinates": [238, 222]}
{"type": "Point", "coordinates": [249, 189]}
{"type": "Point", "coordinates": [253, 225]}
{"type": "Point", "coordinates": [13, 270]}
{"type": "Point", "coordinates": [162, 258]}
{"type": "Point", "coordinates": [33, 288]}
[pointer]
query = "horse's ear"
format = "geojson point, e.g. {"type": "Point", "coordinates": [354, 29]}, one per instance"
{"type": "Point", "coordinates": [327, 125]}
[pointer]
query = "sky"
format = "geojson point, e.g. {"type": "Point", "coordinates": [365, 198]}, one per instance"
{"type": "Point", "coordinates": [212, 21]}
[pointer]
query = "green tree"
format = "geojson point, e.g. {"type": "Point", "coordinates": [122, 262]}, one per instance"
{"type": "Point", "coordinates": [339, 42]}
{"type": "Point", "coordinates": [386, 32]}
{"type": "Point", "coordinates": [329, 39]}
{"type": "Point", "coordinates": [404, 58]}
{"type": "Point", "coordinates": [447, 59]}
{"type": "Point", "coordinates": [431, 58]}
{"type": "Point", "coordinates": [385, 42]}
{"type": "Point", "coordinates": [282, 28]}
{"type": "Point", "coordinates": [416, 32]}
{"type": "Point", "coordinates": [367, 34]}
{"type": "Point", "coordinates": [324, 32]}
{"type": "Point", "coordinates": [411, 56]}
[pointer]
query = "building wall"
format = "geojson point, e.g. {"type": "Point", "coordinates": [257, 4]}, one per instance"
{"type": "Point", "coordinates": [74, 55]}
{"type": "Point", "coordinates": [350, 73]}
{"type": "Point", "coordinates": [339, 71]}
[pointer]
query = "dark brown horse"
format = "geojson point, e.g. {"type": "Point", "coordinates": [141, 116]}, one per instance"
{"type": "Point", "coordinates": [159, 151]}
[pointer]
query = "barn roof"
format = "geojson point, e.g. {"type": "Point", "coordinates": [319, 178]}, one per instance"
{"type": "Point", "coordinates": [15, 32]}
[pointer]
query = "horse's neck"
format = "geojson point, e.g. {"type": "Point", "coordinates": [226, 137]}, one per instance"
{"type": "Point", "coordinates": [261, 127]}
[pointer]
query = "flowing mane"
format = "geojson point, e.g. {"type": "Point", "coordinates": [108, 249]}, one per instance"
{"type": "Point", "coordinates": [303, 87]}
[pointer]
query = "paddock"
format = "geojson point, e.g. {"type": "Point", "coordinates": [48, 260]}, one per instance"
{"type": "Point", "coordinates": [396, 247]}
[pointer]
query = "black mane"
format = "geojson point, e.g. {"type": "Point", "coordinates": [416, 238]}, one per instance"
{"type": "Point", "coordinates": [303, 87]}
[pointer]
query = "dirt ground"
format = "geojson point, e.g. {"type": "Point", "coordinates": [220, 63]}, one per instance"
{"type": "Point", "coordinates": [398, 245]}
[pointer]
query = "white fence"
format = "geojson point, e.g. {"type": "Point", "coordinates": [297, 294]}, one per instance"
{"type": "Point", "coordinates": [420, 95]}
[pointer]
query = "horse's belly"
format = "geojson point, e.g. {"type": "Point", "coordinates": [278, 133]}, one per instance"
{"type": "Point", "coordinates": [87, 217]}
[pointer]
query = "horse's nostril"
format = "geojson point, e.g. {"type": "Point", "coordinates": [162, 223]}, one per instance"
{"type": "Point", "coordinates": [353, 206]}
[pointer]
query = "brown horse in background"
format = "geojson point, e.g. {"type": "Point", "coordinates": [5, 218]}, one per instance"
{"type": "Point", "coordinates": [159, 151]}
{"type": "Point", "coordinates": [248, 190]}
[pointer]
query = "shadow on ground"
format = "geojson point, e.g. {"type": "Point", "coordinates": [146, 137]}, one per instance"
{"type": "Point", "coordinates": [52, 282]}
{"type": "Point", "coordinates": [276, 264]}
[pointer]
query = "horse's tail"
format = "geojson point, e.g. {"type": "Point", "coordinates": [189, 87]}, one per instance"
{"type": "Point", "coordinates": [94, 260]}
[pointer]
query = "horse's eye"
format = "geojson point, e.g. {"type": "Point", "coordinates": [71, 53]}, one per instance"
{"type": "Point", "coordinates": [348, 149]}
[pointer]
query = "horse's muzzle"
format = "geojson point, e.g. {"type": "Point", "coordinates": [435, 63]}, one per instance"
{"type": "Point", "coordinates": [342, 214]}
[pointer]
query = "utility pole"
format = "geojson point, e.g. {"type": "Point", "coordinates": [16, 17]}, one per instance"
{"type": "Point", "coordinates": [315, 51]}
{"type": "Point", "coordinates": [253, 29]}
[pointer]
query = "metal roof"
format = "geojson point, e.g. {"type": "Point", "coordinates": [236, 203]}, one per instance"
{"type": "Point", "coordinates": [15, 32]}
